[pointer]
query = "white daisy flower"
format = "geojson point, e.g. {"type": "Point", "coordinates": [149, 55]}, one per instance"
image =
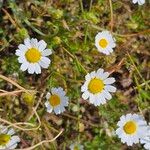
{"type": "Point", "coordinates": [132, 127]}
{"type": "Point", "coordinates": [140, 2]}
{"type": "Point", "coordinates": [97, 87]}
{"type": "Point", "coordinates": [146, 140]}
{"type": "Point", "coordinates": [76, 146]}
{"type": "Point", "coordinates": [32, 55]}
{"type": "Point", "coordinates": [105, 42]}
{"type": "Point", "coordinates": [56, 100]}
{"type": "Point", "coordinates": [7, 138]}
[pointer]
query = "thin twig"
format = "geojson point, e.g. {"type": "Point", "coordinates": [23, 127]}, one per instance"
{"type": "Point", "coordinates": [116, 67]}
{"type": "Point", "coordinates": [111, 15]}
{"type": "Point", "coordinates": [6, 93]}
{"type": "Point", "coordinates": [22, 123]}
{"type": "Point", "coordinates": [1, 90]}
{"type": "Point", "coordinates": [11, 19]}
{"type": "Point", "coordinates": [42, 142]}
{"type": "Point", "coordinates": [14, 83]}
{"type": "Point", "coordinates": [20, 128]}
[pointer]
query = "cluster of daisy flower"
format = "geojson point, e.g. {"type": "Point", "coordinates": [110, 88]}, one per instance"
{"type": "Point", "coordinates": [97, 89]}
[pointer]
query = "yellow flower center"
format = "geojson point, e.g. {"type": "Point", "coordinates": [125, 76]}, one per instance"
{"type": "Point", "coordinates": [76, 148]}
{"type": "Point", "coordinates": [54, 100]}
{"type": "Point", "coordinates": [96, 85]}
{"type": "Point", "coordinates": [33, 55]}
{"type": "Point", "coordinates": [103, 43]}
{"type": "Point", "coordinates": [130, 127]}
{"type": "Point", "coordinates": [4, 139]}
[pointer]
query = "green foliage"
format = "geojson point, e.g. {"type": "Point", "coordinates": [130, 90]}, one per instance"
{"type": "Point", "coordinates": [10, 68]}
{"type": "Point", "coordinates": [110, 113]}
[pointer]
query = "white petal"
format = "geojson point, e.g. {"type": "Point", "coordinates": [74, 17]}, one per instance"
{"type": "Point", "coordinates": [27, 43]}
{"type": "Point", "coordinates": [16, 138]}
{"type": "Point", "coordinates": [104, 75]}
{"type": "Point", "coordinates": [22, 47]}
{"type": "Point", "coordinates": [93, 74]}
{"type": "Point", "coordinates": [61, 92]}
{"type": "Point", "coordinates": [110, 50]}
{"type": "Point", "coordinates": [128, 116]}
{"type": "Point", "coordinates": [122, 120]}
{"type": "Point", "coordinates": [88, 77]}
{"type": "Point", "coordinates": [62, 109]}
{"type": "Point", "coordinates": [22, 59]}
{"type": "Point", "coordinates": [92, 98]}
{"type": "Point", "coordinates": [46, 52]}
{"type": "Point", "coordinates": [34, 43]}
{"type": "Point", "coordinates": [100, 72]}
{"type": "Point", "coordinates": [31, 68]}
{"type": "Point", "coordinates": [134, 1]}
{"type": "Point", "coordinates": [53, 90]}
{"type": "Point", "coordinates": [20, 53]}
{"type": "Point", "coordinates": [24, 66]}
{"type": "Point", "coordinates": [65, 101]}
{"type": "Point", "coordinates": [13, 146]}
{"type": "Point", "coordinates": [41, 45]}
{"type": "Point", "coordinates": [49, 110]}
{"type": "Point", "coordinates": [119, 132]}
{"type": "Point", "coordinates": [97, 100]}
{"type": "Point", "coordinates": [109, 80]}
{"type": "Point", "coordinates": [57, 110]}
{"type": "Point", "coordinates": [3, 129]}
{"type": "Point", "coordinates": [141, 2]}
{"type": "Point", "coordinates": [48, 95]}
{"type": "Point", "coordinates": [124, 139]}
{"type": "Point", "coordinates": [110, 88]}
{"type": "Point", "coordinates": [85, 95]}
{"type": "Point", "coordinates": [107, 95]}
{"type": "Point", "coordinates": [11, 132]}
{"type": "Point", "coordinates": [129, 143]}
{"type": "Point", "coordinates": [106, 51]}
{"type": "Point", "coordinates": [84, 87]}
{"type": "Point", "coordinates": [37, 68]}
{"type": "Point", "coordinates": [44, 62]}
{"type": "Point", "coordinates": [102, 99]}
{"type": "Point", "coordinates": [46, 103]}
{"type": "Point", "coordinates": [13, 142]}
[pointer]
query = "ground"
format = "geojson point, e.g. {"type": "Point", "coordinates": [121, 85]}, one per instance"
{"type": "Point", "coordinates": [69, 28]}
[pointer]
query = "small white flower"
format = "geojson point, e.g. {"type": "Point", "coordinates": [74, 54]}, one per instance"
{"type": "Point", "coordinates": [132, 127]}
{"type": "Point", "coordinates": [146, 140]}
{"type": "Point", "coordinates": [105, 42]}
{"type": "Point", "coordinates": [56, 100]}
{"type": "Point", "coordinates": [140, 2]}
{"type": "Point", "coordinates": [7, 138]}
{"type": "Point", "coordinates": [76, 146]}
{"type": "Point", "coordinates": [97, 87]}
{"type": "Point", "coordinates": [32, 55]}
